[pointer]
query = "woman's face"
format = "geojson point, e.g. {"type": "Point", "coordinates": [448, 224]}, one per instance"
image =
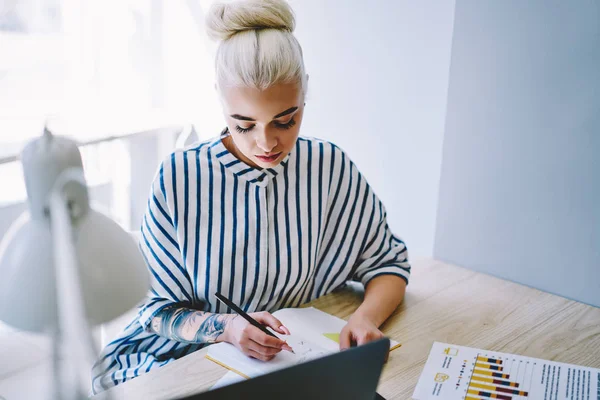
{"type": "Point", "coordinates": [264, 125]}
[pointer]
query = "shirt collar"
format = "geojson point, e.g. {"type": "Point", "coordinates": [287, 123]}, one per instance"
{"type": "Point", "coordinates": [260, 177]}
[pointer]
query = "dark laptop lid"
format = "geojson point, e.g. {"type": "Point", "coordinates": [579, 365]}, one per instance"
{"type": "Point", "coordinates": [350, 374]}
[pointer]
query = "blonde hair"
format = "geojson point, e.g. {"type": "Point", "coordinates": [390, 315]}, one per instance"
{"type": "Point", "coordinates": [257, 46]}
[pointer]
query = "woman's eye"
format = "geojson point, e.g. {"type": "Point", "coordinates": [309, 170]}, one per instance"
{"type": "Point", "coordinates": [287, 125]}
{"type": "Point", "coordinates": [243, 130]}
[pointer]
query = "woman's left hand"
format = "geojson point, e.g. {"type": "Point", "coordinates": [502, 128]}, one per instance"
{"type": "Point", "coordinates": [358, 331]}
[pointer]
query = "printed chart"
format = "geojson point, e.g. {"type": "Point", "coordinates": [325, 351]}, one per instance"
{"type": "Point", "coordinates": [488, 376]}
{"type": "Point", "coordinates": [463, 373]}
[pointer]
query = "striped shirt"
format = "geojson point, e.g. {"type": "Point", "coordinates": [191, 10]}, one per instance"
{"type": "Point", "coordinates": [265, 238]}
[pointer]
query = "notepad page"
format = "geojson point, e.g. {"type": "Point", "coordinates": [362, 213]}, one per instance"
{"type": "Point", "coordinates": [229, 356]}
{"type": "Point", "coordinates": [316, 326]}
{"type": "Point", "coordinates": [311, 324]}
{"type": "Point", "coordinates": [313, 334]}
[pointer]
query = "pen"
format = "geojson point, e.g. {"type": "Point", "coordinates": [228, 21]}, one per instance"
{"type": "Point", "coordinates": [248, 318]}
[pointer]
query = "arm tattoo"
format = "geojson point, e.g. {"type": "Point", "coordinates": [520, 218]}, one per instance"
{"type": "Point", "coordinates": [188, 326]}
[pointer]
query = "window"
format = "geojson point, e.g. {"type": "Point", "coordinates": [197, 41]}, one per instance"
{"type": "Point", "coordinates": [68, 59]}
{"type": "Point", "coordinates": [101, 65]}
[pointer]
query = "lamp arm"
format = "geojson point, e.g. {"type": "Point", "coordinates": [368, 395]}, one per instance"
{"type": "Point", "coordinates": [66, 207]}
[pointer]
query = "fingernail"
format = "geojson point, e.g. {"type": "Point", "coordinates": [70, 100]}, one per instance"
{"type": "Point", "coordinates": [288, 348]}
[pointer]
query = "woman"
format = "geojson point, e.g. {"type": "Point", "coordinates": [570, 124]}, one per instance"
{"type": "Point", "coordinates": [267, 218]}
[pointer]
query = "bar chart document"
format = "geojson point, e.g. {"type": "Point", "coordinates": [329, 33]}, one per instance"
{"type": "Point", "coordinates": [456, 372]}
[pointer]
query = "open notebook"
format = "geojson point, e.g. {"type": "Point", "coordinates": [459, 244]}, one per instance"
{"type": "Point", "coordinates": [314, 334]}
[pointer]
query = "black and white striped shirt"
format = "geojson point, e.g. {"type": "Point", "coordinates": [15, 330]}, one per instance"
{"type": "Point", "coordinates": [267, 239]}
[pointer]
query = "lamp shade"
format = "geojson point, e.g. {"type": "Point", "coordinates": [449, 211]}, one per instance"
{"type": "Point", "coordinates": [110, 269]}
{"type": "Point", "coordinates": [112, 273]}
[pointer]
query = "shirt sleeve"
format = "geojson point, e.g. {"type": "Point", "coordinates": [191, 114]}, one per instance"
{"type": "Point", "coordinates": [170, 282]}
{"type": "Point", "coordinates": [381, 253]}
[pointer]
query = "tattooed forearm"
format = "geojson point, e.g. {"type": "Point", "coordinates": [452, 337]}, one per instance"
{"type": "Point", "coordinates": [189, 326]}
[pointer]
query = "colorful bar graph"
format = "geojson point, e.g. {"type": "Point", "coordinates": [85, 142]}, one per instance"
{"type": "Point", "coordinates": [498, 389]}
{"type": "Point", "coordinates": [496, 381]}
{"type": "Point", "coordinates": [485, 383]}
{"type": "Point", "coordinates": [489, 360]}
{"type": "Point", "coordinates": [488, 366]}
{"type": "Point", "coordinates": [488, 394]}
{"type": "Point", "coordinates": [490, 373]}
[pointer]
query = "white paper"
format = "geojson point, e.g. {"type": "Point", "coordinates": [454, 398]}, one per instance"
{"type": "Point", "coordinates": [229, 355]}
{"type": "Point", "coordinates": [457, 372]}
{"type": "Point", "coordinates": [307, 327]}
{"type": "Point", "coordinates": [228, 379]}
{"type": "Point", "coordinates": [311, 324]}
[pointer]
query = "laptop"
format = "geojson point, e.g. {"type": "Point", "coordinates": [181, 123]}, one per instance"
{"type": "Point", "coordinates": [351, 374]}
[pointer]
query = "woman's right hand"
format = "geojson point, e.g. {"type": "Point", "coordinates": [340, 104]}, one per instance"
{"type": "Point", "coordinates": [252, 341]}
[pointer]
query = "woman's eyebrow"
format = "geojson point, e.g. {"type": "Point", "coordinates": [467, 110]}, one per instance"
{"type": "Point", "coordinates": [286, 112]}
{"type": "Point", "coordinates": [241, 117]}
{"type": "Point", "coordinates": [281, 114]}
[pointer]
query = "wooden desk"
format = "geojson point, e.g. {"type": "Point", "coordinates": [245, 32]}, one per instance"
{"type": "Point", "coordinates": [443, 303]}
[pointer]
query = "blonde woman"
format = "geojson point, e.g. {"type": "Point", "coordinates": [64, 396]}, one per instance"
{"type": "Point", "coordinates": [263, 216]}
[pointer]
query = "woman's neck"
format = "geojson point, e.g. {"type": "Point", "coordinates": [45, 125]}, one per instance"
{"type": "Point", "coordinates": [232, 148]}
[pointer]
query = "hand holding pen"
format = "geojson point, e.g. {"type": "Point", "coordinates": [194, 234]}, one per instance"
{"type": "Point", "coordinates": [248, 333]}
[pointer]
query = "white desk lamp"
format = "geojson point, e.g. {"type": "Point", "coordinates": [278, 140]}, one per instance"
{"type": "Point", "coordinates": [64, 266]}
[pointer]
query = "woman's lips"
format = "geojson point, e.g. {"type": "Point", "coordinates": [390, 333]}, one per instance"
{"type": "Point", "coordinates": [269, 158]}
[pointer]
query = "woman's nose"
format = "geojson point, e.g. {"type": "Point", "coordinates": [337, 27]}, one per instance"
{"type": "Point", "coordinates": [266, 142]}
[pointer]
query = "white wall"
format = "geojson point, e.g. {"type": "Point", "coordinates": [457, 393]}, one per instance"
{"type": "Point", "coordinates": [520, 186]}
{"type": "Point", "coordinates": [378, 83]}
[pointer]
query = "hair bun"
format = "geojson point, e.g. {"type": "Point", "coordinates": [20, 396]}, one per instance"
{"type": "Point", "coordinates": [226, 18]}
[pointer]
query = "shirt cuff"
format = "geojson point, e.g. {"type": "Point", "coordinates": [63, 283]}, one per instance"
{"type": "Point", "coordinates": [396, 270]}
